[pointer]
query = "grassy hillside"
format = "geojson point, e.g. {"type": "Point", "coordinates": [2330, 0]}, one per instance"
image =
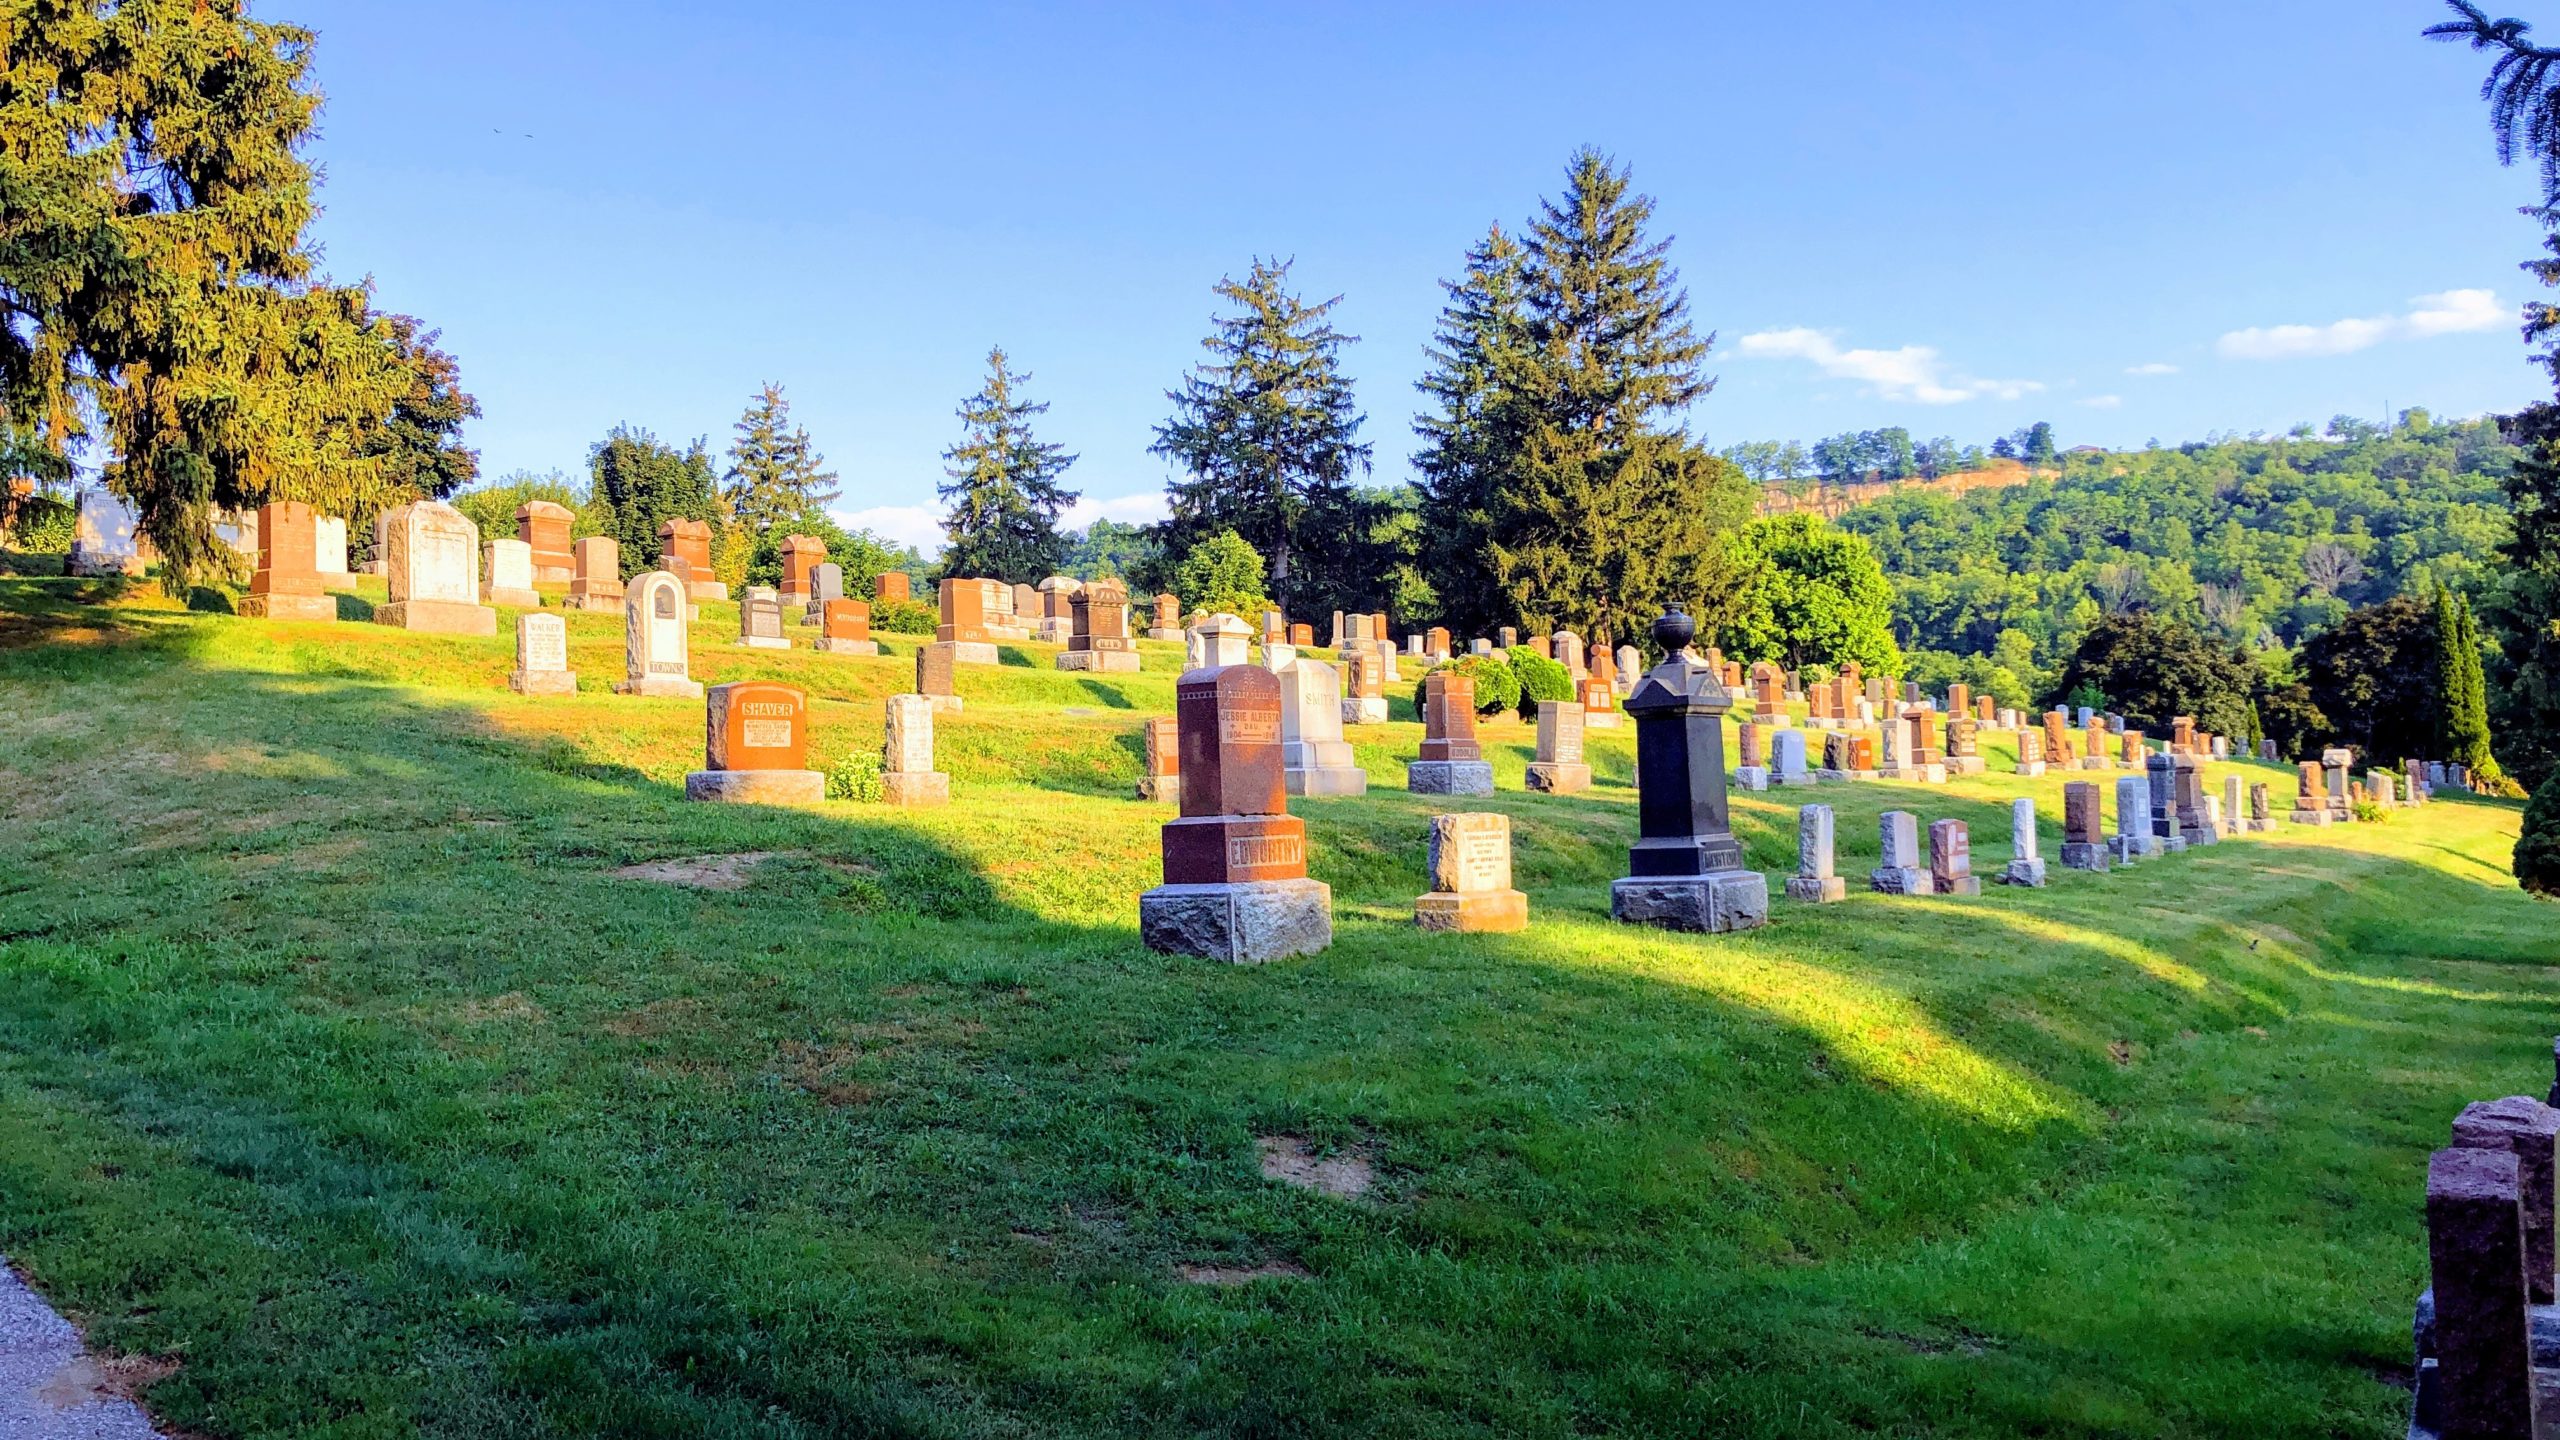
{"type": "Point", "coordinates": [337, 1064]}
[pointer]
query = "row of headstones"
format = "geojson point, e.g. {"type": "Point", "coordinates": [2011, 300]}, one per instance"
{"type": "Point", "coordinates": [756, 749]}
{"type": "Point", "coordinates": [2487, 1331]}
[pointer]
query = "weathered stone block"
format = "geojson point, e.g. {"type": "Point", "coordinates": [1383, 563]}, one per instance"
{"type": "Point", "coordinates": [1243, 923]}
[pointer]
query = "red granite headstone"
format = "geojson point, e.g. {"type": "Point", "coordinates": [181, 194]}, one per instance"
{"type": "Point", "coordinates": [1449, 717]}
{"type": "Point", "coordinates": [1235, 826]}
{"type": "Point", "coordinates": [964, 613]}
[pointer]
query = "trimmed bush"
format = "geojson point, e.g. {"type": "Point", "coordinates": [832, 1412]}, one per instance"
{"type": "Point", "coordinates": [1497, 684]}
{"type": "Point", "coordinates": [1539, 679]}
{"type": "Point", "coordinates": [905, 617]}
{"type": "Point", "coordinates": [2538, 847]}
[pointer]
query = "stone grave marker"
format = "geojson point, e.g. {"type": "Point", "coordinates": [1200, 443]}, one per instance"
{"type": "Point", "coordinates": [1471, 878]}
{"type": "Point", "coordinates": [1560, 768]}
{"type": "Point", "coordinates": [2026, 858]}
{"type": "Point", "coordinates": [328, 544]}
{"type": "Point", "coordinates": [964, 623]}
{"type": "Point", "coordinates": [801, 556]}
{"type": "Point", "coordinates": [507, 575]}
{"type": "Point", "coordinates": [1452, 762]}
{"type": "Point", "coordinates": [907, 776]}
{"type": "Point", "coordinates": [596, 584]}
{"type": "Point", "coordinates": [2479, 1380]}
{"type": "Point", "coordinates": [826, 582]}
{"type": "Point", "coordinates": [756, 747]}
{"type": "Point", "coordinates": [2136, 835]}
{"type": "Point", "coordinates": [891, 585]}
{"type": "Point", "coordinates": [1790, 768]}
{"type": "Point", "coordinates": [1685, 871]}
{"type": "Point", "coordinates": [1235, 863]}
{"type": "Point", "coordinates": [1168, 618]}
{"type": "Point", "coordinates": [1751, 761]}
{"type": "Point", "coordinates": [2335, 762]}
{"type": "Point", "coordinates": [1366, 702]}
{"type": "Point", "coordinates": [542, 657]}
{"type": "Point", "coordinates": [2262, 815]}
{"type": "Point", "coordinates": [844, 627]}
{"type": "Point", "coordinates": [1098, 630]}
{"type": "Point", "coordinates": [1964, 745]}
{"type": "Point", "coordinates": [656, 657]}
{"type": "Point", "coordinates": [287, 585]}
{"type": "Point", "coordinates": [1951, 859]}
{"type": "Point", "coordinates": [689, 541]}
{"type": "Point", "coordinates": [1630, 671]}
{"type": "Point", "coordinates": [2310, 796]}
{"type": "Point", "coordinates": [1898, 869]}
{"type": "Point", "coordinates": [2194, 825]}
{"type": "Point", "coordinates": [1163, 780]}
{"type": "Point", "coordinates": [760, 620]}
{"type": "Point", "coordinates": [1817, 879]}
{"type": "Point", "coordinates": [2030, 752]}
{"type": "Point", "coordinates": [1314, 758]}
{"type": "Point", "coordinates": [544, 528]}
{"type": "Point", "coordinates": [1220, 640]}
{"type": "Point", "coordinates": [431, 550]}
{"type": "Point", "coordinates": [2083, 839]}
{"type": "Point", "coordinates": [107, 538]}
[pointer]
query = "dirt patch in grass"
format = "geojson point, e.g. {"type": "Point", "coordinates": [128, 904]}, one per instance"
{"type": "Point", "coordinates": [700, 872]}
{"type": "Point", "coordinates": [116, 1377]}
{"type": "Point", "coordinates": [1230, 1276]}
{"type": "Point", "coordinates": [654, 1018]}
{"type": "Point", "coordinates": [1345, 1175]}
{"type": "Point", "coordinates": [514, 1005]}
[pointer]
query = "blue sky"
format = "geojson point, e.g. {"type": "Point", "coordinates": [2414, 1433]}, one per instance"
{"type": "Point", "coordinates": [2138, 219]}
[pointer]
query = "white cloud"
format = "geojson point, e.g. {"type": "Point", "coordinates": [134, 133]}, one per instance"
{"type": "Point", "coordinates": [1141, 509]}
{"type": "Point", "coordinates": [1914, 372]}
{"type": "Point", "coordinates": [2451, 312]}
{"type": "Point", "coordinates": [2154, 368]}
{"type": "Point", "coordinates": [898, 524]}
{"type": "Point", "coordinates": [2104, 402]}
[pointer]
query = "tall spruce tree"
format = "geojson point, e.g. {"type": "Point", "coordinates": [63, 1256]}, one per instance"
{"type": "Point", "coordinates": [1265, 431]}
{"type": "Point", "coordinates": [1481, 367]}
{"type": "Point", "coordinates": [775, 474]}
{"type": "Point", "coordinates": [1610, 510]}
{"type": "Point", "coordinates": [1004, 493]}
{"type": "Point", "coordinates": [2465, 685]}
{"type": "Point", "coordinates": [156, 286]}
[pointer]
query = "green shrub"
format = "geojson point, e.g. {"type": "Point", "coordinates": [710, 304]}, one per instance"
{"type": "Point", "coordinates": [1497, 684]}
{"type": "Point", "coordinates": [43, 526]}
{"type": "Point", "coordinates": [857, 777]}
{"type": "Point", "coordinates": [2538, 846]}
{"type": "Point", "coordinates": [905, 617]}
{"type": "Point", "coordinates": [1222, 573]}
{"type": "Point", "coordinates": [1539, 679]}
{"type": "Point", "coordinates": [2369, 812]}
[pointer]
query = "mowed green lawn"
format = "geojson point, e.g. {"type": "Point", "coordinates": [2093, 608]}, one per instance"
{"type": "Point", "coordinates": [337, 1066]}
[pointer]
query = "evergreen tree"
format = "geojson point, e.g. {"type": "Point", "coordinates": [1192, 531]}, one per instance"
{"type": "Point", "coordinates": [1004, 494]}
{"type": "Point", "coordinates": [775, 474]}
{"type": "Point", "coordinates": [638, 484]}
{"type": "Point", "coordinates": [1610, 510]}
{"type": "Point", "coordinates": [1265, 431]}
{"type": "Point", "coordinates": [2465, 702]}
{"type": "Point", "coordinates": [156, 278]}
{"type": "Point", "coordinates": [1480, 361]}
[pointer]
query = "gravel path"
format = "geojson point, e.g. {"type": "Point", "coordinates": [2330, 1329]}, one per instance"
{"type": "Point", "coordinates": [50, 1388]}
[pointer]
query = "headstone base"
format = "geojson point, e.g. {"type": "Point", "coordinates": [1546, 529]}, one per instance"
{"type": "Point", "coordinates": [1372, 711]}
{"type": "Point", "coordinates": [1485, 912]}
{"type": "Point", "coordinates": [1933, 774]}
{"type": "Point", "coordinates": [1449, 777]}
{"type": "Point", "coordinates": [701, 590]}
{"type": "Point", "coordinates": [1900, 881]}
{"type": "Point", "coordinates": [1711, 904]}
{"type": "Point", "coordinates": [1965, 765]}
{"type": "Point", "coordinates": [595, 604]}
{"type": "Point", "coordinates": [1054, 631]}
{"type": "Point", "coordinates": [438, 617]}
{"type": "Point", "coordinates": [1326, 780]}
{"type": "Point", "coordinates": [1602, 719]}
{"type": "Point", "coordinates": [2024, 872]}
{"type": "Point", "coordinates": [1164, 789]}
{"type": "Point", "coordinates": [1959, 885]}
{"type": "Point", "coordinates": [1243, 924]}
{"type": "Point", "coordinates": [765, 642]}
{"type": "Point", "coordinates": [1778, 721]}
{"type": "Point", "coordinates": [2031, 769]}
{"type": "Point", "coordinates": [2261, 827]}
{"type": "Point", "coordinates": [1559, 778]}
{"type": "Point", "coordinates": [975, 652]}
{"type": "Point", "coordinates": [2098, 762]}
{"type": "Point", "coordinates": [1812, 890]}
{"type": "Point", "coordinates": [2310, 817]}
{"type": "Point", "coordinates": [291, 607]}
{"type": "Point", "coordinates": [756, 787]}
{"type": "Point", "coordinates": [2076, 856]}
{"type": "Point", "coordinates": [2167, 845]}
{"type": "Point", "coordinates": [1792, 777]}
{"type": "Point", "coordinates": [1103, 662]}
{"type": "Point", "coordinates": [543, 682]}
{"type": "Point", "coordinates": [667, 686]}
{"type": "Point", "coordinates": [513, 599]}
{"type": "Point", "coordinates": [947, 704]}
{"type": "Point", "coordinates": [2127, 849]}
{"type": "Point", "coordinates": [846, 647]}
{"type": "Point", "coordinates": [1751, 777]}
{"type": "Point", "coordinates": [1175, 636]}
{"type": "Point", "coordinates": [915, 789]}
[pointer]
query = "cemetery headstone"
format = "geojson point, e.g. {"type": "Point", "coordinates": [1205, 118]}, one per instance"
{"type": "Point", "coordinates": [2310, 796]}
{"type": "Point", "coordinates": [1964, 745]}
{"type": "Point", "coordinates": [542, 657]}
{"type": "Point", "coordinates": [1314, 758]}
{"type": "Point", "coordinates": [937, 676]}
{"type": "Point", "coordinates": [689, 541]}
{"type": "Point", "coordinates": [1751, 761]}
{"type": "Point", "coordinates": [2262, 816]}
{"type": "Point", "coordinates": [1790, 768]}
{"type": "Point", "coordinates": [2083, 833]}
{"type": "Point", "coordinates": [907, 776]}
{"type": "Point", "coordinates": [2480, 1379]}
{"type": "Point", "coordinates": [656, 657]}
{"type": "Point", "coordinates": [1452, 762]}
{"type": "Point", "coordinates": [2026, 858]}
{"type": "Point", "coordinates": [106, 536]}
{"type": "Point", "coordinates": [1057, 619]}
{"type": "Point", "coordinates": [1168, 618]}
{"type": "Point", "coordinates": [826, 582]}
{"type": "Point", "coordinates": [507, 575]}
{"type": "Point", "coordinates": [1685, 871]}
{"type": "Point", "coordinates": [431, 561]}
{"type": "Point", "coordinates": [544, 528]}
{"type": "Point", "coordinates": [2529, 1129]}
{"type": "Point", "coordinates": [891, 585]}
{"type": "Point", "coordinates": [1471, 878]}
{"type": "Point", "coordinates": [2135, 835]}
{"type": "Point", "coordinates": [1235, 864]}
{"type": "Point", "coordinates": [1163, 780]}
{"type": "Point", "coordinates": [756, 747]}
{"type": "Point", "coordinates": [1098, 630]}
{"type": "Point", "coordinates": [2031, 752]}
{"type": "Point", "coordinates": [1898, 869]}
{"type": "Point", "coordinates": [844, 628]}
{"type": "Point", "coordinates": [1560, 768]}
{"type": "Point", "coordinates": [1366, 700]}
{"type": "Point", "coordinates": [801, 556]}
{"type": "Point", "coordinates": [2161, 775]}
{"type": "Point", "coordinates": [1221, 639]}
{"type": "Point", "coordinates": [287, 585]}
{"type": "Point", "coordinates": [1569, 654]}
{"type": "Point", "coordinates": [329, 544]}
{"type": "Point", "coordinates": [2193, 825]}
{"type": "Point", "coordinates": [760, 620]}
{"type": "Point", "coordinates": [596, 585]}
{"type": "Point", "coordinates": [1817, 879]}
{"type": "Point", "coordinates": [1510, 639]}
{"type": "Point", "coordinates": [2335, 761]}
{"type": "Point", "coordinates": [1599, 690]}
{"type": "Point", "coordinates": [2230, 805]}
{"type": "Point", "coordinates": [1951, 859]}
{"type": "Point", "coordinates": [964, 623]}
{"type": "Point", "coordinates": [1630, 671]}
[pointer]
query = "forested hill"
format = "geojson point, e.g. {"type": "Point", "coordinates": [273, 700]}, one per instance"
{"type": "Point", "coordinates": [2253, 541]}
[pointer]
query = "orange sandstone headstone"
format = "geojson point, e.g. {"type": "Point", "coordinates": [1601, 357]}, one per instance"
{"type": "Point", "coordinates": [545, 526]}
{"type": "Point", "coordinates": [287, 585]}
{"type": "Point", "coordinates": [755, 746]}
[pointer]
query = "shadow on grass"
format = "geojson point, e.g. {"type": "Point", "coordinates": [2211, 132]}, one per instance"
{"type": "Point", "coordinates": [398, 1100]}
{"type": "Point", "coordinates": [1109, 696]}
